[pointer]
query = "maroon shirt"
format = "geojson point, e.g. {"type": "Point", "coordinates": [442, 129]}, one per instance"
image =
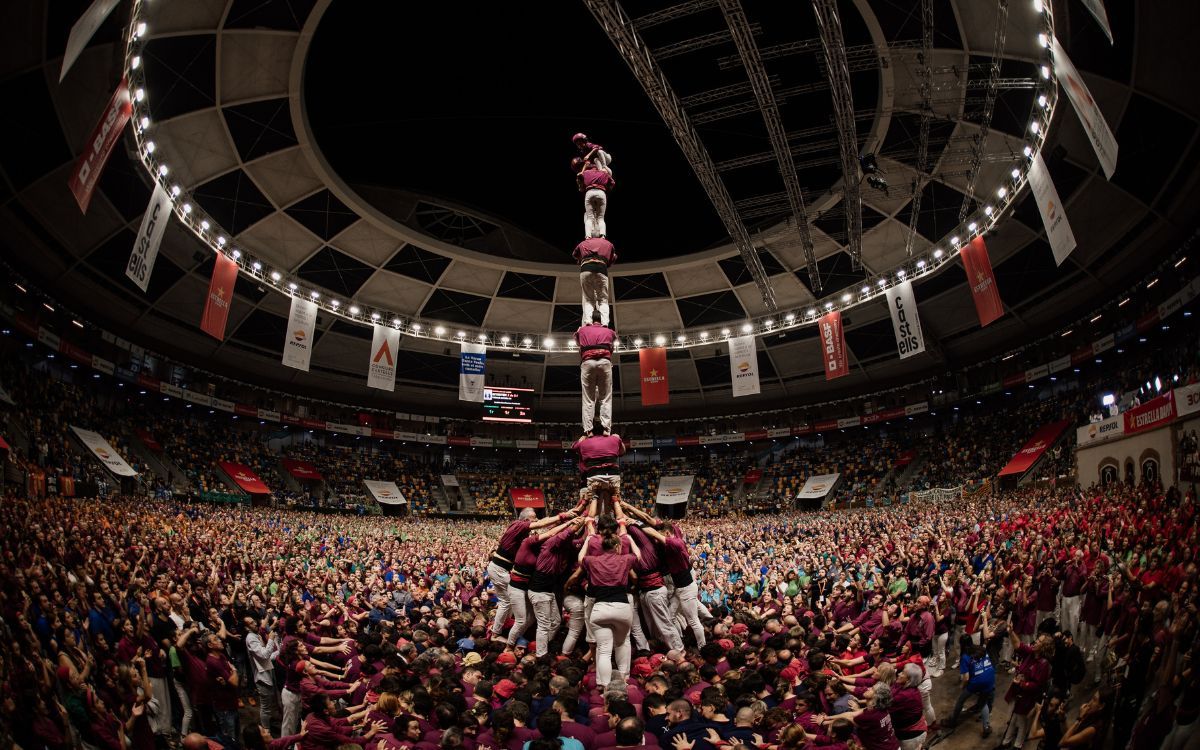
{"type": "Point", "coordinates": [511, 538]}
{"type": "Point", "coordinates": [597, 179]}
{"type": "Point", "coordinates": [595, 250]}
{"type": "Point", "coordinates": [1073, 579]}
{"type": "Point", "coordinates": [875, 730]}
{"type": "Point", "coordinates": [595, 341]}
{"type": "Point", "coordinates": [224, 695]}
{"type": "Point", "coordinates": [599, 452]}
{"type": "Point", "coordinates": [608, 569]}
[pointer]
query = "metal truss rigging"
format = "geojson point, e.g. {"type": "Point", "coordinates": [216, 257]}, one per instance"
{"type": "Point", "coordinates": [704, 41]}
{"type": "Point", "coordinates": [832, 42]}
{"type": "Point", "coordinates": [619, 27]}
{"type": "Point", "coordinates": [925, 76]}
{"type": "Point", "coordinates": [989, 105]}
{"type": "Point", "coordinates": [682, 10]}
{"type": "Point", "coordinates": [739, 27]}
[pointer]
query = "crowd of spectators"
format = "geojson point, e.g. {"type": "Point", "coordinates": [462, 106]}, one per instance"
{"type": "Point", "coordinates": [129, 621]}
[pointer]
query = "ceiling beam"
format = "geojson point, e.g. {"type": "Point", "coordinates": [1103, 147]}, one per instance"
{"type": "Point", "coordinates": [672, 13]}
{"type": "Point", "coordinates": [989, 105]}
{"type": "Point", "coordinates": [620, 30]}
{"type": "Point", "coordinates": [739, 27]}
{"type": "Point", "coordinates": [830, 24]}
{"type": "Point", "coordinates": [925, 76]}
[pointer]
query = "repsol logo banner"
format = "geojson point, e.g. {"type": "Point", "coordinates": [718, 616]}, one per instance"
{"type": "Point", "coordinates": [298, 340]}
{"type": "Point", "coordinates": [1096, 432]}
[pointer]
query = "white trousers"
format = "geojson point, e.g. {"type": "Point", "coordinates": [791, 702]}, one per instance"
{"type": "Point", "coordinates": [611, 622]}
{"type": "Point", "coordinates": [1018, 730]}
{"type": "Point", "coordinates": [938, 663]}
{"type": "Point", "coordinates": [595, 375]}
{"type": "Point", "coordinates": [548, 617]}
{"type": "Point", "coordinates": [1070, 615]}
{"type": "Point", "coordinates": [291, 714]}
{"type": "Point", "coordinates": [499, 577]}
{"type": "Point", "coordinates": [594, 286]}
{"type": "Point", "coordinates": [635, 626]}
{"type": "Point", "coordinates": [595, 201]}
{"type": "Point", "coordinates": [573, 603]}
{"type": "Point", "coordinates": [925, 688]}
{"type": "Point", "coordinates": [189, 716]}
{"type": "Point", "coordinates": [689, 607]}
{"type": "Point", "coordinates": [657, 608]}
{"type": "Point", "coordinates": [519, 603]}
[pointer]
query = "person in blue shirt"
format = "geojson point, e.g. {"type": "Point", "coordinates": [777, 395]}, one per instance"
{"type": "Point", "coordinates": [978, 678]}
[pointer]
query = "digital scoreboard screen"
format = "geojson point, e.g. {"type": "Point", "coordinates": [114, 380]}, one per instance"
{"type": "Point", "coordinates": [508, 405]}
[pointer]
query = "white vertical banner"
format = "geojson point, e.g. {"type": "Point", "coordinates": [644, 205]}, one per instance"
{"type": "Point", "coordinates": [1096, 8]}
{"type": "Point", "coordinates": [906, 323]}
{"type": "Point", "coordinates": [149, 237]}
{"type": "Point", "coordinates": [83, 31]}
{"type": "Point", "coordinates": [1098, 132]}
{"type": "Point", "coordinates": [472, 363]}
{"type": "Point", "coordinates": [104, 452]}
{"type": "Point", "coordinates": [1054, 214]}
{"type": "Point", "coordinates": [743, 366]}
{"type": "Point", "coordinates": [381, 371]}
{"type": "Point", "coordinates": [301, 334]}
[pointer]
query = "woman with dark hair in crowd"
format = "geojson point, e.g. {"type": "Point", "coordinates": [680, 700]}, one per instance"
{"type": "Point", "coordinates": [324, 731]}
{"type": "Point", "coordinates": [1091, 727]}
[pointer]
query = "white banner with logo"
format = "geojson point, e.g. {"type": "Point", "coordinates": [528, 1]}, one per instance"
{"type": "Point", "coordinates": [149, 238]}
{"type": "Point", "coordinates": [1187, 399]}
{"type": "Point", "coordinates": [83, 31]}
{"type": "Point", "coordinates": [1102, 430]}
{"type": "Point", "coordinates": [1054, 213]}
{"type": "Point", "coordinates": [301, 334]}
{"type": "Point", "coordinates": [385, 493]}
{"type": "Point", "coordinates": [906, 324]}
{"type": "Point", "coordinates": [1089, 113]}
{"type": "Point", "coordinates": [449, 480]}
{"type": "Point", "coordinates": [743, 366]}
{"type": "Point", "coordinates": [819, 485]}
{"type": "Point", "coordinates": [1096, 8]}
{"type": "Point", "coordinates": [381, 370]}
{"type": "Point", "coordinates": [1060, 364]}
{"type": "Point", "coordinates": [472, 362]}
{"type": "Point", "coordinates": [105, 452]}
{"type": "Point", "coordinates": [672, 490]}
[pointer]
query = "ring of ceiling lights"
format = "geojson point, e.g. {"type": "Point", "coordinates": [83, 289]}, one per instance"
{"type": "Point", "coordinates": [935, 259]}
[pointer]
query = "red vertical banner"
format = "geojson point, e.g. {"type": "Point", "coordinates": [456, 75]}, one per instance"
{"type": "Point", "coordinates": [98, 147]}
{"type": "Point", "coordinates": [220, 296]}
{"type": "Point", "coordinates": [833, 345]}
{"type": "Point", "coordinates": [982, 281]}
{"type": "Point", "coordinates": [653, 364]}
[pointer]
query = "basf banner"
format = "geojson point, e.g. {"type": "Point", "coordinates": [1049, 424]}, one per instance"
{"type": "Point", "coordinates": [105, 452]}
{"type": "Point", "coordinates": [672, 490]}
{"type": "Point", "coordinates": [385, 493]}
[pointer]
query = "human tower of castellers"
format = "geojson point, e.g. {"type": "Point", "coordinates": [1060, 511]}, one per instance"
{"type": "Point", "coordinates": [619, 573]}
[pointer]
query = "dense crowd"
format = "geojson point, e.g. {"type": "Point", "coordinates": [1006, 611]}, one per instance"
{"type": "Point", "coordinates": [129, 623]}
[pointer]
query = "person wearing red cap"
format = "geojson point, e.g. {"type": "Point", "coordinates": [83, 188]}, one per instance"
{"type": "Point", "coordinates": [592, 152]}
{"type": "Point", "coordinates": [595, 255]}
{"type": "Point", "coordinates": [595, 342]}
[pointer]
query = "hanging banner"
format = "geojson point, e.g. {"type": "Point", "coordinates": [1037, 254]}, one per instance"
{"type": "Point", "coordinates": [1101, 136]}
{"type": "Point", "coordinates": [1187, 399]}
{"type": "Point", "coordinates": [983, 282]}
{"type": "Point", "coordinates": [743, 366]}
{"type": "Point", "coordinates": [385, 493]}
{"type": "Point", "coordinates": [819, 485]}
{"type": "Point", "coordinates": [472, 362]}
{"type": "Point", "coordinates": [244, 477]}
{"type": "Point", "coordinates": [1054, 214]}
{"type": "Point", "coordinates": [301, 334]}
{"type": "Point", "coordinates": [672, 490]}
{"type": "Point", "coordinates": [449, 480]}
{"type": "Point", "coordinates": [83, 31]}
{"type": "Point", "coordinates": [96, 151]}
{"type": "Point", "coordinates": [1035, 448]}
{"type": "Point", "coordinates": [653, 364]}
{"type": "Point", "coordinates": [1102, 430]}
{"type": "Point", "coordinates": [105, 452]}
{"type": "Point", "coordinates": [149, 237]}
{"type": "Point", "coordinates": [906, 324]}
{"type": "Point", "coordinates": [220, 296]}
{"type": "Point", "coordinates": [527, 497]}
{"type": "Point", "coordinates": [381, 371]}
{"type": "Point", "coordinates": [302, 470]}
{"type": "Point", "coordinates": [1155, 413]}
{"type": "Point", "coordinates": [1096, 8]}
{"type": "Point", "coordinates": [833, 345]}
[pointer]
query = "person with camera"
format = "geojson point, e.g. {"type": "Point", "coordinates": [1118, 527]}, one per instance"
{"type": "Point", "coordinates": [262, 646]}
{"type": "Point", "coordinates": [1028, 686]}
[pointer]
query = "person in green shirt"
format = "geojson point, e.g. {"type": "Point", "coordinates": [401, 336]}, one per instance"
{"type": "Point", "coordinates": [898, 586]}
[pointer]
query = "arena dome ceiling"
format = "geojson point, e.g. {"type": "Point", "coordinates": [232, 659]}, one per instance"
{"type": "Point", "coordinates": [299, 139]}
